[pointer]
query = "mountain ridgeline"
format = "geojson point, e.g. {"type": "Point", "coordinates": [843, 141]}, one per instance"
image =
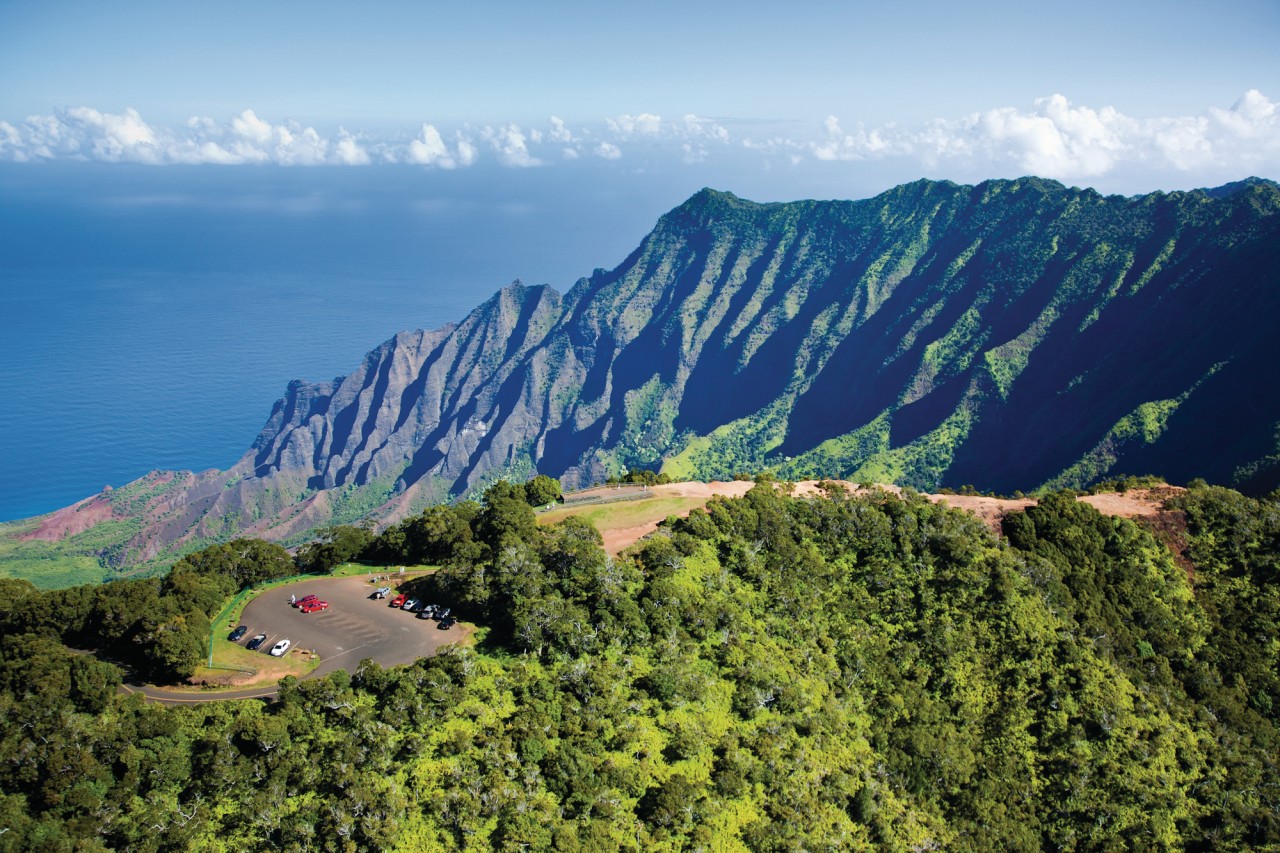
{"type": "Point", "coordinates": [1011, 335]}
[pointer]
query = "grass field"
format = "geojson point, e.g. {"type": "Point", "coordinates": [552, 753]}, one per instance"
{"type": "Point", "coordinates": [265, 669]}
{"type": "Point", "coordinates": [625, 514]}
{"type": "Point", "coordinates": [48, 565]}
{"type": "Point", "coordinates": [346, 570]}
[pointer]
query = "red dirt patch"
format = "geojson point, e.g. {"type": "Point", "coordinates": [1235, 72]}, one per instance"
{"type": "Point", "coordinates": [1143, 504]}
{"type": "Point", "coordinates": [1134, 503]}
{"type": "Point", "coordinates": [1170, 528]}
{"type": "Point", "coordinates": [615, 541]}
{"type": "Point", "coordinates": [69, 521]}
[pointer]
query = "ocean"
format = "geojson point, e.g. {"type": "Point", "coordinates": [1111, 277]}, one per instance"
{"type": "Point", "coordinates": [151, 316]}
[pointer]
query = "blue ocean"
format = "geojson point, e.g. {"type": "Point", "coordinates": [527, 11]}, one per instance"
{"type": "Point", "coordinates": [150, 317]}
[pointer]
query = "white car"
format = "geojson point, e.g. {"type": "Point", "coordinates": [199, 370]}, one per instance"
{"type": "Point", "coordinates": [281, 647]}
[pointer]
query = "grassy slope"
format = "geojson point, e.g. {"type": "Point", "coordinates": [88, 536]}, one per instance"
{"type": "Point", "coordinates": [47, 565]}
{"type": "Point", "coordinates": [625, 514]}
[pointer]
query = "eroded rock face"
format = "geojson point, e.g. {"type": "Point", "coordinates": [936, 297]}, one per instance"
{"type": "Point", "coordinates": [1008, 335]}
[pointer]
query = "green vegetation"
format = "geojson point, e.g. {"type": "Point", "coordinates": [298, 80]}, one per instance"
{"type": "Point", "coordinates": [742, 445]}
{"type": "Point", "coordinates": [772, 673]}
{"type": "Point", "coordinates": [159, 628]}
{"type": "Point", "coordinates": [1013, 333]}
{"type": "Point", "coordinates": [640, 477]}
{"type": "Point", "coordinates": [1143, 425]}
{"type": "Point", "coordinates": [48, 565]}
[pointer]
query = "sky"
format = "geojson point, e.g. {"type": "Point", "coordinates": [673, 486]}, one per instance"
{"type": "Point", "coordinates": [200, 202]}
{"type": "Point", "coordinates": [846, 96]}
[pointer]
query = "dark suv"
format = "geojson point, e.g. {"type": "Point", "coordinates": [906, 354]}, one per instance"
{"type": "Point", "coordinates": [238, 633]}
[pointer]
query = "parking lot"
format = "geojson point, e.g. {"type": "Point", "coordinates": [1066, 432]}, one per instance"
{"type": "Point", "coordinates": [353, 627]}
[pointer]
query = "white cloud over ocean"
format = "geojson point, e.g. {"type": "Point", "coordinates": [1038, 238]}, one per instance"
{"type": "Point", "coordinates": [1053, 137]}
{"type": "Point", "coordinates": [1058, 139]}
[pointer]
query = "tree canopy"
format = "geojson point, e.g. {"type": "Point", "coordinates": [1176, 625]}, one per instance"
{"type": "Point", "coordinates": [772, 673]}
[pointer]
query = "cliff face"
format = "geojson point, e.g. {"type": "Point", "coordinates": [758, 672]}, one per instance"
{"type": "Point", "coordinates": [1009, 335]}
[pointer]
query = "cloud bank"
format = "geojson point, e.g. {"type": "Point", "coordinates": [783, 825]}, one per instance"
{"type": "Point", "coordinates": [1053, 138]}
{"type": "Point", "coordinates": [1057, 139]}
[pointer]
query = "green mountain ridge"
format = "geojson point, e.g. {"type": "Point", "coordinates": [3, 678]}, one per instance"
{"type": "Point", "coordinates": [1010, 335]}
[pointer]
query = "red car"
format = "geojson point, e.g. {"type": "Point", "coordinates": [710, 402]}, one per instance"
{"type": "Point", "coordinates": [313, 606]}
{"type": "Point", "coordinates": [306, 599]}
{"type": "Point", "coordinates": [399, 600]}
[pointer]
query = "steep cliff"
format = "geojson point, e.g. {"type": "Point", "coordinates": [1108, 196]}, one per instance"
{"type": "Point", "coordinates": [1011, 335]}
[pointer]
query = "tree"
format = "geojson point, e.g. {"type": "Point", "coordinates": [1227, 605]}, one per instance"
{"type": "Point", "coordinates": [337, 545]}
{"type": "Point", "coordinates": [542, 490]}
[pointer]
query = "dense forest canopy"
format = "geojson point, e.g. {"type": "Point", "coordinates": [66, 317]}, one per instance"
{"type": "Point", "coordinates": [773, 673]}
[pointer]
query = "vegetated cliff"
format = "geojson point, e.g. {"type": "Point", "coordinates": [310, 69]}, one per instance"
{"type": "Point", "coordinates": [1010, 335]}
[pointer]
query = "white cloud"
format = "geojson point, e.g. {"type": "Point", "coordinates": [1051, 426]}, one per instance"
{"type": "Point", "coordinates": [248, 126]}
{"type": "Point", "coordinates": [705, 128]}
{"type": "Point", "coordinates": [559, 133]}
{"type": "Point", "coordinates": [1250, 117]}
{"type": "Point", "coordinates": [771, 145]}
{"type": "Point", "coordinates": [429, 149]}
{"type": "Point", "coordinates": [627, 126]}
{"type": "Point", "coordinates": [467, 151]}
{"type": "Point", "coordinates": [1051, 137]}
{"type": "Point", "coordinates": [509, 143]}
{"type": "Point", "coordinates": [1057, 139]}
{"type": "Point", "coordinates": [349, 151]}
{"type": "Point", "coordinates": [117, 137]}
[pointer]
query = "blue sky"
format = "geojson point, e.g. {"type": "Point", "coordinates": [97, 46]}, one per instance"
{"type": "Point", "coordinates": [298, 179]}
{"type": "Point", "coordinates": [1123, 96]}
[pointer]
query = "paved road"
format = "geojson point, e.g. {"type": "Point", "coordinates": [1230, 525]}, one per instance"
{"type": "Point", "coordinates": [354, 627]}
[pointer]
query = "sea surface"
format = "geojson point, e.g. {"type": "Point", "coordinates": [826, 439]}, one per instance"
{"type": "Point", "coordinates": [151, 316]}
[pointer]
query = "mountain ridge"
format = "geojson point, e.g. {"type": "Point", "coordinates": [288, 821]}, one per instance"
{"type": "Point", "coordinates": [1010, 334]}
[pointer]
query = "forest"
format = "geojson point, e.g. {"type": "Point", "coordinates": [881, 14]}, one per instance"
{"type": "Point", "coordinates": [773, 673]}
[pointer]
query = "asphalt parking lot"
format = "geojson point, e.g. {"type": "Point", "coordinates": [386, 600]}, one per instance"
{"type": "Point", "coordinates": [353, 628]}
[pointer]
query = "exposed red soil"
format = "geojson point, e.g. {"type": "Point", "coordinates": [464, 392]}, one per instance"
{"type": "Point", "coordinates": [618, 539]}
{"type": "Point", "coordinates": [1142, 504]}
{"type": "Point", "coordinates": [69, 521]}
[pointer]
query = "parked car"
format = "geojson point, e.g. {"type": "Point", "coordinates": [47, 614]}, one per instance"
{"type": "Point", "coordinates": [313, 606]}
{"type": "Point", "coordinates": [410, 604]}
{"type": "Point", "coordinates": [305, 599]}
{"type": "Point", "coordinates": [447, 623]}
{"type": "Point", "coordinates": [443, 613]}
{"type": "Point", "coordinates": [426, 614]}
{"type": "Point", "coordinates": [381, 592]}
{"type": "Point", "coordinates": [399, 600]}
{"type": "Point", "coordinates": [238, 633]}
{"type": "Point", "coordinates": [417, 607]}
{"type": "Point", "coordinates": [256, 642]}
{"type": "Point", "coordinates": [281, 647]}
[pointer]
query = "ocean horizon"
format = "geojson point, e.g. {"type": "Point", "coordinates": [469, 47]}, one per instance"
{"type": "Point", "coordinates": [150, 317]}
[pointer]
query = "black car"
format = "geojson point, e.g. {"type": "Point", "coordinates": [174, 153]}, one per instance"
{"type": "Point", "coordinates": [447, 622]}
{"type": "Point", "coordinates": [256, 641]}
{"type": "Point", "coordinates": [238, 633]}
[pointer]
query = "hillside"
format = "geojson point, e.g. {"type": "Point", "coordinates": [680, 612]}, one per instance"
{"type": "Point", "coordinates": [776, 673]}
{"type": "Point", "coordinates": [1010, 335]}
{"type": "Point", "coordinates": [634, 514]}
